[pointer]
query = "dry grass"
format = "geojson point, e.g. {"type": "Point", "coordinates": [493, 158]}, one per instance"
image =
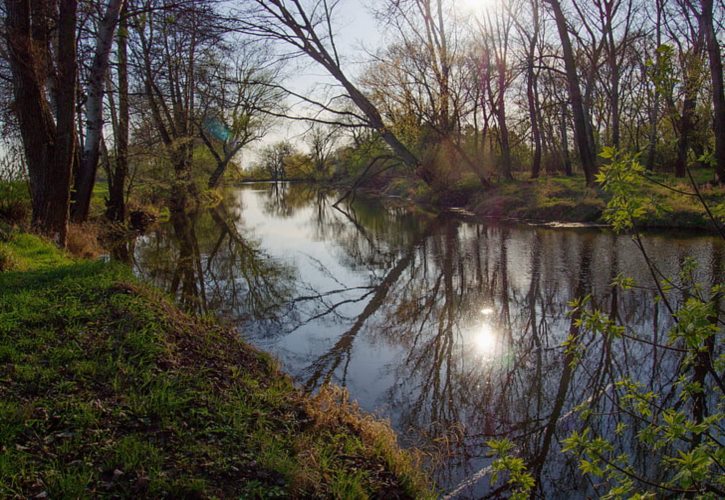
{"type": "Point", "coordinates": [331, 408]}
{"type": "Point", "coordinates": [83, 240]}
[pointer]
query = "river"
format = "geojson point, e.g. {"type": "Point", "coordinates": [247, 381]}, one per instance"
{"type": "Point", "coordinates": [452, 329]}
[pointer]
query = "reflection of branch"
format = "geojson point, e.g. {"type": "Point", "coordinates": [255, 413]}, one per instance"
{"type": "Point", "coordinates": [256, 271]}
{"type": "Point", "coordinates": [568, 361]}
{"type": "Point", "coordinates": [322, 268]}
{"type": "Point", "coordinates": [355, 223]}
{"type": "Point", "coordinates": [332, 358]}
{"type": "Point", "coordinates": [330, 309]}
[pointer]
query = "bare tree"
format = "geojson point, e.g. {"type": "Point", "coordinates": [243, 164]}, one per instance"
{"type": "Point", "coordinates": [274, 157]}
{"type": "Point", "coordinates": [308, 30]}
{"type": "Point", "coordinates": [169, 50]}
{"type": "Point", "coordinates": [118, 171]}
{"type": "Point", "coordinates": [582, 127]}
{"type": "Point", "coordinates": [85, 176]}
{"type": "Point", "coordinates": [495, 33]}
{"type": "Point", "coordinates": [236, 100]}
{"type": "Point", "coordinates": [530, 31]}
{"type": "Point", "coordinates": [322, 140]}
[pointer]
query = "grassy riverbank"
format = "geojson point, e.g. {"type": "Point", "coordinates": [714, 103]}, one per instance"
{"type": "Point", "coordinates": [672, 203]}
{"type": "Point", "coordinates": [106, 388]}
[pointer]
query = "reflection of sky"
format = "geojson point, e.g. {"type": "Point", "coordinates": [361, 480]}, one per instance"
{"type": "Point", "coordinates": [293, 240]}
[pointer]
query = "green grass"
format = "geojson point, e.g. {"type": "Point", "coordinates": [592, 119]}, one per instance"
{"type": "Point", "coordinates": [98, 198]}
{"type": "Point", "coordinates": [107, 389]}
{"type": "Point", "coordinates": [545, 199]}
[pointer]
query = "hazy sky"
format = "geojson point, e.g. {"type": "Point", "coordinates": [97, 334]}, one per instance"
{"type": "Point", "coordinates": [356, 31]}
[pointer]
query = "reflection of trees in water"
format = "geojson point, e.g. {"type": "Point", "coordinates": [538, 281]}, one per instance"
{"type": "Point", "coordinates": [285, 199]}
{"type": "Point", "coordinates": [480, 314]}
{"type": "Point", "coordinates": [429, 301]}
{"type": "Point", "coordinates": [326, 364]}
{"type": "Point", "coordinates": [210, 266]}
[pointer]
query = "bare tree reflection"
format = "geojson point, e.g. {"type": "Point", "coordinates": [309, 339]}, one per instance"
{"type": "Point", "coordinates": [210, 266]}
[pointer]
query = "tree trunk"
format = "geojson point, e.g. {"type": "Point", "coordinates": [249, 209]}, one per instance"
{"type": "Point", "coordinates": [86, 175]}
{"type": "Point", "coordinates": [66, 139]}
{"type": "Point", "coordinates": [218, 173]}
{"type": "Point", "coordinates": [116, 207]}
{"type": "Point", "coordinates": [654, 111]}
{"type": "Point", "coordinates": [503, 133]}
{"type": "Point", "coordinates": [689, 105]}
{"type": "Point", "coordinates": [376, 121]}
{"type": "Point", "coordinates": [615, 104]}
{"type": "Point", "coordinates": [49, 153]}
{"type": "Point", "coordinates": [582, 127]}
{"type": "Point", "coordinates": [565, 141]}
{"type": "Point", "coordinates": [685, 127]}
{"type": "Point", "coordinates": [718, 94]}
{"type": "Point", "coordinates": [531, 95]}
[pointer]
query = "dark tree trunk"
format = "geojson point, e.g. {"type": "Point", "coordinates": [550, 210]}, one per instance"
{"type": "Point", "coordinates": [718, 94]}
{"type": "Point", "coordinates": [116, 207]}
{"type": "Point", "coordinates": [654, 111]}
{"type": "Point", "coordinates": [685, 128]}
{"type": "Point", "coordinates": [503, 128]}
{"type": "Point", "coordinates": [531, 94]}
{"type": "Point", "coordinates": [67, 140]}
{"type": "Point", "coordinates": [689, 105]}
{"type": "Point", "coordinates": [565, 141]}
{"type": "Point", "coordinates": [582, 127]}
{"type": "Point", "coordinates": [49, 149]}
{"type": "Point", "coordinates": [218, 173]}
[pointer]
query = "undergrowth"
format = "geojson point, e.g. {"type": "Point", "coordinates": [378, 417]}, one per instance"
{"type": "Point", "coordinates": [567, 199]}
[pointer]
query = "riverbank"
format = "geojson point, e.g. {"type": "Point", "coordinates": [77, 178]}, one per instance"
{"type": "Point", "coordinates": [671, 203]}
{"type": "Point", "coordinates": [107, 389]}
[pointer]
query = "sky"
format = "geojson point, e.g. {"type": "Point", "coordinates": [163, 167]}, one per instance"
{"type": "Point", "coordinates": [357, 33]}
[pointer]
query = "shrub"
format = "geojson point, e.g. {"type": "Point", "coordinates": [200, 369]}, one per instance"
{"type": "Point", "coordinates": [14, 202]}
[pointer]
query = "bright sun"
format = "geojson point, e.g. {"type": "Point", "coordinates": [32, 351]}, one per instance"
{"type": "Point", "coordinates": [472, 6]}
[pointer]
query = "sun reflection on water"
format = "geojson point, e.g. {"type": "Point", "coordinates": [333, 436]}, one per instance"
{"type": "Point", "coordinates": [486, 341]}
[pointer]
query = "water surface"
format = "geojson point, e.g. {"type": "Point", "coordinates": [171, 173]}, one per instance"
{"type": "Point", "coordinates": [451, 329]}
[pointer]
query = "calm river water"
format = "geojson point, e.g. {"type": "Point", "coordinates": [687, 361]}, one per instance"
{"type": "Point", "coordinates": [451, 329]}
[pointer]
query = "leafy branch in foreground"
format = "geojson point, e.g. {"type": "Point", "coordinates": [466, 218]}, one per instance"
{"type": "Point", "coordinates": [677, 424]}
{"type": "Point", "coordinates": [520, 480]}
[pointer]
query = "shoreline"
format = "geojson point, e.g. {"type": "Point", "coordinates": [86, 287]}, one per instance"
{"type": "Point", "coordinates": [555, 202]}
